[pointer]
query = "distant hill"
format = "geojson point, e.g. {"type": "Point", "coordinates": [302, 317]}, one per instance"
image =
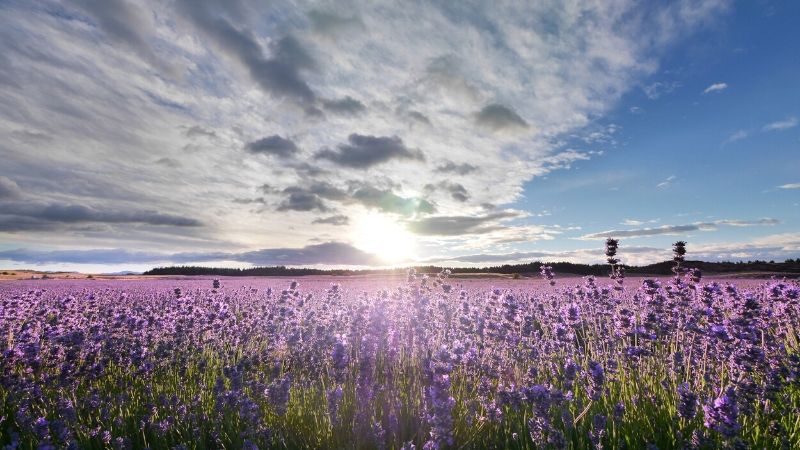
{"type": "Point", "coordinates": [787, 268]}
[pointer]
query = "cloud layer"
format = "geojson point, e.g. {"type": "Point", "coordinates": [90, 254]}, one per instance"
{"type": "Point", "coordinates": [198, 125]}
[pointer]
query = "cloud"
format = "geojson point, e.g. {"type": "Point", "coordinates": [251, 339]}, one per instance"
{"type": "Point", "coordinates": [94, 256]}
{"type": "Point", "coordinates": [300, 198]}
{"type": "Point", "coordinates": [655, 90]}
{"type": "Point", "coordinates": [123, 135]}
{"type": "Point", "coordinates": [366, 151]}
{"type": "Point", "coordinates": [331, 24]}
{"type": "Point", "coordinates": [461, 225]}
{"type": "Point", "coordinates": [328, 253]}
{"type": "Point", "coordinates": [678, 229]}
{"type": "Point", "coordinates": [273, 145]}
{"type": "Point", "coordinates": [337, 220]}
{"type": "Point", "coordinates": [748, 223]}
{"type": "Point", "coordinates": [789, 186]}
{"type": "Point", "coordinates": [48, 215]}
{"type": "Point", "coordinates": [126, 24]}
{"type": "Point", "coordinates": [347, 106]}
{"type": "Point", "coordinates": [418, 117]}
{"type": "Point", "coordinates": [457, 191]}
{"type": "Point", "coordinates": [666, 183]}
{"type": "Point", "coordinates": [737, 136]}
{"type": "Point", "coordinates": [637, 223]}
{"type": "Point", "coordinates": [199, 131]}
{"type": "Point", "coordinates": [460, 169]}
{"type": "Point", "coordinates": [9, 189]}
{"type": "Point", "coordinates": [716, 87]}
{"type": "Point", "coordinates": [781, 125]}
{"type": "Point", "coordinates": [497, 117]}
{"type": "Point", "coordinates": [279, 75]}
{"type": "Point", "coordinates": [387, 201]}
{"type": "Point", "coordinates": [314, 197]}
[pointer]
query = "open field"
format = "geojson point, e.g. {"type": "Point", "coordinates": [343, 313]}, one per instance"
{"type": "Point", "coordinates": [390, 363]}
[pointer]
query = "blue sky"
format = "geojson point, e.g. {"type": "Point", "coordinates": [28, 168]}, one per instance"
{"type": "Point", "coordinates": [369, 134]}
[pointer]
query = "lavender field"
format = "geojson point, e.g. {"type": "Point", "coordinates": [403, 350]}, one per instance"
{"type": "Point", "coordinates": [424, 362]}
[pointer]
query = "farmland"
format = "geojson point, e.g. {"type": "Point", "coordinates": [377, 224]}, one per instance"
{"type": "Point", "coordinates": [411, 362]}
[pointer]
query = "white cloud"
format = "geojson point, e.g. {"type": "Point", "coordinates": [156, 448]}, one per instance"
{"type": "Point", "coordinates": [659, 88]}
{"type": "Point", "coordinates": [789, 186]}
{"type": "Point", "coordinates": [781, 125]}
{"type": "Point", "coordinates": [679, 229]}
{"type": "Point", "coordinates": [666, 183]}
{"type": "Point", "coordinates": [736, 136]}
{"type": "Point", "coordinates": [637, 223]}
{"type": "Point", "coordinates": [716, 87]}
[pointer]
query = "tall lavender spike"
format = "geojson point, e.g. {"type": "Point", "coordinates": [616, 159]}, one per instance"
{"type": "Point", "coordinates": [722, 414]}
{"type": "Point", "coordinates": [687, 403]}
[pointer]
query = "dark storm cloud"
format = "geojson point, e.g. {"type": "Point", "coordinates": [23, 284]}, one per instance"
{"type": "Point", "coordinates": [273, 145]}
{"type": "Point", "coordinates": [460, 225]}
{"type": "Point", "coordinates": [330, 24]}
{"type": "Point", "coordinates": [366, 151]}
{"type": "Point", "coordinates": [678, 229]}
{"type": "Point", "coordinates": [55, 213]}
{"type": "Point", "coordinates": [9, 189]}
{"type": "Point", "coordinates": [498, 117]}
{"type": "Point", "coordinates": [460, 169]}
{"type": "Point", "coordinates": [126, 24]}
{"type": "Point", "coordinates": [347, 106]}
{"type": "Point", "coordinates": [279, 74]}
{"type": "Point", "coordinates": [337, 220]}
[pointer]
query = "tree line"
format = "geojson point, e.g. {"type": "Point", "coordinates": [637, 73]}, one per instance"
{"type": "Point", "coordinates": [790, 266]}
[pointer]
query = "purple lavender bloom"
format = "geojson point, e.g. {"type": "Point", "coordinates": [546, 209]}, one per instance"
{"type": "Point", "coordinates": [596, 380]}
{"type": "Point", "coordinates": [722, 414]}
{"type": "Point", "coordinates": [687, 402]}
{"type": "Point", "coordinates": [278, 394]}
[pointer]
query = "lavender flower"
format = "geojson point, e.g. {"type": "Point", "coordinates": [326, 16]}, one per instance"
{"type": "Point", "coordinates": [687, 402]}
{"type": "Point", "coordinates": [722, 414]}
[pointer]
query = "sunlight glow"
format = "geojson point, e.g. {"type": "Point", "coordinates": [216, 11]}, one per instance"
{"type": "Point", "coordinates": [385, 237]}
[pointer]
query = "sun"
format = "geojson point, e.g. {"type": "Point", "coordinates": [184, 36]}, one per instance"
{"type": "Point", "coordinates": [384, 237]}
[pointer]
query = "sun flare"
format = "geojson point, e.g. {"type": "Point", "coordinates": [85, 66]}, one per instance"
{"type": "Point", "coordinates": [384, 237]}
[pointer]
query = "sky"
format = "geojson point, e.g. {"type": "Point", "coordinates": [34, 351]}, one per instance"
{"type": "Point", "coordinates": [369, 134]}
